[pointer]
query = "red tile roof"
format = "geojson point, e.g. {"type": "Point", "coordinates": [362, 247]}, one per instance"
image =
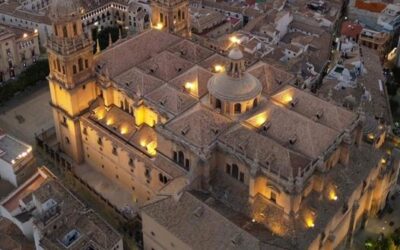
{"type": "Point", "coordinates": [370, 6]}
{"type": "Point", "coordinates": [350, 29]}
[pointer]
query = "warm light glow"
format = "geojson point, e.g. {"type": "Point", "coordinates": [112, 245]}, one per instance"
{"type": "Point", "coordinates": [189, 86]}
{"type": "Point", "coordinates": [151, 148]}
{"type": "Point", "coordinates": [383, 161]}
{"type": "Point", "coordinates": [158, 26]}
{"type": "Point", "coordinates": [219, 68]}
{"type": "Point", "coordinates": [258, 120]}
{"type": "Point", "coordinates": [287, 98]}
{"type": "Point", "coordinates": [310, 222]}
{"type": "Point", "coordinates": [124, 129]}
{"type": "Point", "coordinates": [392, 55]}
{"type": "Point", "coordinates": [25, 35]}
{"type": "Point", "coordinates": [143, 143]}
{"type": "Point", "coordinates": [371, 136]}
{"type": "Point", "coordinates": [332, 195]}
{"type": "Point", "coordinates": [110, 121]}
{"type": "Point", "coordinates": [234, 40]}
{"type": "Point", "coordinates": [36, 31]}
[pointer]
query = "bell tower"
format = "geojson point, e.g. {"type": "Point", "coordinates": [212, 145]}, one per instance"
{"type": "Point", "coordinates": [71, 81]}
{"type": "Point", "coordinates": [171, 15]}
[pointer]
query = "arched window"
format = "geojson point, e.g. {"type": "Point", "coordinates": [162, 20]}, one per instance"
{"type": "Point", "coordinates": [65, 32]}
{"type": "Point", "coordinates": [179, 15]}
{"type": "Point", "coordinates": [235, 171]}
{"type": "Point", "coordinates": [218, 104]}
{"type": "Point", "coordinates": [238, 108]}
{"type": "Point", "coordinates": [75, 29]}
{"type": "Point", "coordinates": [55, 30]}
{"type": "Point", "coordinates": [181, 158]}
{"type": "Point", "coordinates": [74, 70]}
{"type": "Point", "coordinates": [80, 64]}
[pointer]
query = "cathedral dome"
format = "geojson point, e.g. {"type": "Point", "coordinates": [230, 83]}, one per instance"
{"type": "Point", "coordinates": [227, 88]}
{"type": "Point", "coordinates": [64, 9]}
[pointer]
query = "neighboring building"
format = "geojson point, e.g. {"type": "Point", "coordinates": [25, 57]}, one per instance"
{"type": "Point", "coordinates": [351, 30]}
{"type": "Point", "coordinates": [389, 18]}
{"type": "Point", "coordinates": [378, 41]}
{"type": "Point", "coordinates": [210, 23]}
{"type": "Point", "coordinates": [46, 212]}
{"type": "Point", "coordinates": [19, 48]}
{"type": "Point", "coordinates": [378, 15]}
{"type": "Point", "coordinates": [164, 117]}
{"type": "Point", "coordinates": [132, 16]}
{"type": "Point", "coordinates": [16, 160]}
{"type": "Point", "coordinates": [172, 15]}
{"type": "Point", "coordinates": [11, 14]}
{"type": "Point", "coordinates": [11, 238]}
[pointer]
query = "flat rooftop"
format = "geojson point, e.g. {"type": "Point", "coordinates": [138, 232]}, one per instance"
{"type": "Point", "coordinates": [12, 149]}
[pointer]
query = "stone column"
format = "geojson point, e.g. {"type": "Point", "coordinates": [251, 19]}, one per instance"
{"type": "Point", "coordinates": [349, 240]}
{"type": "Point", "coordinates": [328, 243]}
{"type": "Point", "coordinates": [345, 149]}
{"type": "Point", "coordinates": [252, 183]}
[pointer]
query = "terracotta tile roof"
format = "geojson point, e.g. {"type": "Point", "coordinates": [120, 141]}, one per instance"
{"type": "Point", "coordinates": [128, 53]}
{"type": "Point", "coordinates": [198, 225]}
{"type": "Point", "coordinates": [167, 98]}
{"type": "Point", "coordinates": [370, 6]}
{"type": "Point", "coordinates": [350, 29]}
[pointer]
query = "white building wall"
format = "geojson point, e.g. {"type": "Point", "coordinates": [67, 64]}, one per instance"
{"type": "Point", "coordinates": [7, 172]}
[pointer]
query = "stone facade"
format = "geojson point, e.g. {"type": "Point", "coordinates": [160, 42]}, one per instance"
{"type": "Point", "coordinates": [280, 164]}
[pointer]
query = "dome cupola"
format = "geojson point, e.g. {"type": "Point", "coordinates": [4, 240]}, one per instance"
{"type": "Point", "coordinates": [234, 91]}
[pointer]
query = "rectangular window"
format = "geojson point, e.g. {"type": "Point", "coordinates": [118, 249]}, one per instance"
{"type": "Point", "coordinates": [130, 162]}
{"type": "Point", "coordinates": [161, 17]}
{"type": "Point", "coordinates": [273, 197]}
{"type": "Point", "coordinates": [187, 164]}
{"type": "Point", "coordinates": [175, 156]}
{"type": "Point", "coordinates": [147, 173]}
{"type": "Point", "coordinates": [75, 30]}
{"type": "Point", "coordinates": [114, 151]}
{"type": "Point", "coordinates": [85, 131]}
{"type": "Point", "coordinates": [99, 141]}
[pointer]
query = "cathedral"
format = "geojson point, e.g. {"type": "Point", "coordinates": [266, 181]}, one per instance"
{"type": "Point", "coordinates": [178, 123]}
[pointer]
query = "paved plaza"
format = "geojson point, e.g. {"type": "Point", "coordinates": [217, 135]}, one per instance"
{"type": "Point", "coordinates": [27, 114]}
{"type": "Point", "coordinates": [386, 225]}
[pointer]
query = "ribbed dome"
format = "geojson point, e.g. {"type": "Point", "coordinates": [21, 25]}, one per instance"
{"type": "Point", "coordinates": [235, 54]}
{"type": "Point", "coordinates": [64, 9]}
{"type": "Point", "coordinates": [227, 88]}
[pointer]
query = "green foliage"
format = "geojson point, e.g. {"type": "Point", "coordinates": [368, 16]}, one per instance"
{"type": "Point", "coordinates": [103, 36]}
{"type": "Point", "coordinates": [30, 77]}
{"type": "Point", "coordinates": [388, 243]}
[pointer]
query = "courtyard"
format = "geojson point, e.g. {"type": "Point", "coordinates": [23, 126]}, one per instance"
{"type": "Point", "coordinates": [27, 114]}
